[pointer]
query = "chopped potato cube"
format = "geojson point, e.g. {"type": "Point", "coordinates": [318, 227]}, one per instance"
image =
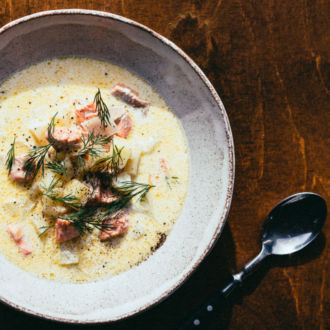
{"type": "Point", "coordinates": [38, 222]}
{"type": "Point", "coordinates": [77, 189]}
{"type": "Point", "coordinates": [132, 165]}
{"type": "Point", "coordinates": [47, 179]}
{"type": "Point", "coordinates": [68, 254]}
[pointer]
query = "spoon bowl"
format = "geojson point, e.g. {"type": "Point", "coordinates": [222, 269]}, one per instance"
{"type": "Point", "coordinates": [294, 223]}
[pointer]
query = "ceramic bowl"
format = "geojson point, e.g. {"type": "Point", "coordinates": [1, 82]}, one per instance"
{"type": "Point", "coordinates": [204, 119]}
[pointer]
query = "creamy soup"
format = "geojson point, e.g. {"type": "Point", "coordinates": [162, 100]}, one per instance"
{"type": "Point", "coordinates": [35, 231]}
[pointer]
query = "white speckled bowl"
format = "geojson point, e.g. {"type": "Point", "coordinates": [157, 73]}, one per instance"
{"type": "Point", "coordinates": [194, 101]}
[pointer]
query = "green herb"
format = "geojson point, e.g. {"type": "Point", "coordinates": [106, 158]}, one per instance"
{"type": "Point", "coordinates": [36, 156]}
{"type": "Point", "coordinates": [112, 163]}
{"type": "Point", "coordinates": [131, 189]}
{"type": "Point", "coordinates": [88, 217]}
{"type": "Point", "coordinates": [171, 180]}
{"type": "Point", "coordinates": [57, 167]}
{"type": "Point", "coordinates": [10, 157]}
{"type": "Point", "coordinates": [92, 146]}
{"type": "Point", "coordinates": [102, 109]}
{"type": "Point", "coordinates": [69, 200]}
{"type": "Point", "coordinates": [85, 219]}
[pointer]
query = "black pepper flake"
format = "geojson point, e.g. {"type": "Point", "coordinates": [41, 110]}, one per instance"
{"type": "Point", "coordinates": [30, 102]}
{"type": "Point", "coordinates": [105, 73]}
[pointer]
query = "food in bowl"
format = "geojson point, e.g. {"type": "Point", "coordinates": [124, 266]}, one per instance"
{"type": "Point", "coordinates": [96, 169]}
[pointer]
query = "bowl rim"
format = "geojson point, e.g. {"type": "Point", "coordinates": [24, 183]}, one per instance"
{"type": "Point", "coordinates": [229, 140]}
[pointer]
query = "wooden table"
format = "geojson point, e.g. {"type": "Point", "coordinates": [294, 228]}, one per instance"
{"type": "Point", "coordinates": [269, 61]}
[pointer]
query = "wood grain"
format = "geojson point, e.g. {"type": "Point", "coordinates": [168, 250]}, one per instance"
{"type": "Point", "coordinates": [269, 61]}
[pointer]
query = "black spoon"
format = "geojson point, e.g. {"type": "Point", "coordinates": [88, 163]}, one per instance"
{"type": "Point", "coordinates": [290, 226]}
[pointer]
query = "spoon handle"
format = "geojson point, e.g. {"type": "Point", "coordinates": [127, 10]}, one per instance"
{"type": "Point", "coordinates": [200, 318]}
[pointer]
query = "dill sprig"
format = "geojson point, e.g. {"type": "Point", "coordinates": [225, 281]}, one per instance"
{"type": "Point", "coordinates": [102, 109]}
{"type": "Point", "coordinates": [84, 219]}
{"type": "Point", "coordinates": [171, 180]}
{"type": "Point", "coordinates": [92, 146]}
{"type": "Point", "coordinates": [57, 167]}
{"type": "Point", "coordinates": [88, 217]}
{"type": "Point", "coordinates": [36, 156]}
{"type": "Point", "coordinates": [112, 163]}
{"type": "Point", "coordinates": [69, 199]}
{"type": "Point", "coordinates": [131, 189]}
{"type": "Point", "coordinates": [11, 157]}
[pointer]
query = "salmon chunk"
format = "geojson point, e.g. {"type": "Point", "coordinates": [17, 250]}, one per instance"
{"type": "Point", "coordinates": [124, 126]}
{"type": "Point", "coordinates": [16, 233]}
{"type": "Point", "coordinates": [86, 113]}
{"type": "Point", "coordinates": [113, 227]}
{"type": "Point", "coordinates": [128, 96]}
{"type": "Point", "coordinates": [17, 172]}
{"type": "Point", "coordinates": [65, 231]}
{"type": "Point", "coordinates": [66, 136]}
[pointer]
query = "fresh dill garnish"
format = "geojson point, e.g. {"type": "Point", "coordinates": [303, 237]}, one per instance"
{"type": "Point", "coordinates": [102, 109]}
{"type": "Point", "coordinates": [92, 146]}
{"type": "Point", "coordinates": [36, 156]}
{"type": "Point", "coordinates": [112, 163]}
{"type": "Point", "coordinates": [131, 189]}
{"type": "Point", "coordinates": [11, 157]}
{"type": "Point", "coordinates": [84, 219]}
{"type": "Point", "coordinates": [57, 167]}
{"type": "Point", "coordinates": [88, 217]}
{"type": "Point", "coordinates": [171, 180]}
{"type": "Point", "coordinates": [69, 199]}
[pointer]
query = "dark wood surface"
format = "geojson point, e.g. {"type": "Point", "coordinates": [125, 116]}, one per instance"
{"type": "Point", "coordinates": [269, 61]}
